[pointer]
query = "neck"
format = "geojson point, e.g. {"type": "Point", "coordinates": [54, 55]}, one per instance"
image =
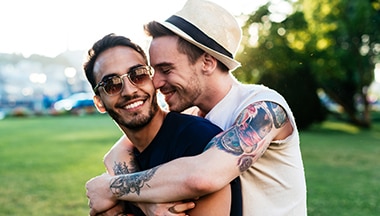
{"type": "Point", "coordinates": [143, 137]}
{"type": "Point", "coordinates": [217, 88]}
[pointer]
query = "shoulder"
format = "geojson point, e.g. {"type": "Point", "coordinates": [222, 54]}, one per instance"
{"type": "Point", "coordinates": [254, 94]}
{"type": "Point", "coordinates": [187, 119]}
{"type": "Point", "coordinates": [262, 93]}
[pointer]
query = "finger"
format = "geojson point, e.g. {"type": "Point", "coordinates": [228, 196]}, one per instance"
{"type": "Point", "coordinates": [176, 213]}
{"type": "Point", "coordinates": [182, 207]}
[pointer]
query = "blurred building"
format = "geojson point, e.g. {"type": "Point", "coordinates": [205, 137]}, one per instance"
{"type": "Point", "coordinates": [36, 82]}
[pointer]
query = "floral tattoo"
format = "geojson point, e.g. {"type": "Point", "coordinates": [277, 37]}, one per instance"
{"type": "Point", "coordinates": [120, 168]}
{"type": "Point", "coordinates": [123, 184]}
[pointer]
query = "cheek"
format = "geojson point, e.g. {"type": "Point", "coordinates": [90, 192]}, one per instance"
{"type": "Point", "coordinates": [107, 102]}
{"type": "Point", "coordinates": [182, 80]}
{"type": "Point", "coordinates": [158, 80]}
{"type": "Point", "coordinates": [151, 89]}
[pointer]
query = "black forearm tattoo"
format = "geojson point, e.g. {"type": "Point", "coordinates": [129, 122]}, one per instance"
{"type": "Point", "coordinates": [120, 168]}
{"type": "Point", "coordinates": [247, 135]}
{"type": "Point", "coordinates": [132, 183]}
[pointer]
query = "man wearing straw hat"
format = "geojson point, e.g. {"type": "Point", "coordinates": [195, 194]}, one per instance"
{"type": "Point", "coordinates": [192, 54]}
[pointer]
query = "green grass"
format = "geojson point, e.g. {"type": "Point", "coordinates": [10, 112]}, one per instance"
{"type": "Point", "coordinates": [45, 162]}
{"type": "Point", "coordinates": [342, 169]}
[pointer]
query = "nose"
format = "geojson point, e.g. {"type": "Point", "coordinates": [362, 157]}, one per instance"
{"type": "Point", "coordinates": [128, 87]}
{"type": "Point", "coordinates": [158, 80]}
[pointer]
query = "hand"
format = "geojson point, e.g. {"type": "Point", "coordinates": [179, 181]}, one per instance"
{"type": "Point", "coordinates": [99, 194]}
{"type": "Point", "coordinates": [166, 209]}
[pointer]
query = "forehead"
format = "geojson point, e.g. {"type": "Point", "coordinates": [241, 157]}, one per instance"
{"type": "Point", "coordinates": [117, 60]}
{"type": "Point", "coordinates": [163, 49]}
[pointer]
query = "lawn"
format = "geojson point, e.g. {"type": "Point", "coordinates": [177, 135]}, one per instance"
{"type": "Point", "coordinates": [342, 169]}
{"type": "Point", "coordinates": [45, 162]}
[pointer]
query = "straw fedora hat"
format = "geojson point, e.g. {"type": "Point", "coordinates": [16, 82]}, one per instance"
{"type": "Point", "coordinates": [209, 27]}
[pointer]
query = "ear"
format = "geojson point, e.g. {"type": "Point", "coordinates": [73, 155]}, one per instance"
{"type": "Point", "coordinates": [99, 104]}
{"type": "Point", "coordinates": [209, 63]}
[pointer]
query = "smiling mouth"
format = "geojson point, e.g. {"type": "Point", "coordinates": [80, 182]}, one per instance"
{"type": "Point", "coordinates": [168, 94]}
{"type": "Point", "coordinates": [134, 105]}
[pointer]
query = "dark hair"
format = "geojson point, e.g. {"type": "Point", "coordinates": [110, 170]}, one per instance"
{"type": "Point", "coordinates": [155, 29]}
{"type": "Point", "coordinates": [107, 42]}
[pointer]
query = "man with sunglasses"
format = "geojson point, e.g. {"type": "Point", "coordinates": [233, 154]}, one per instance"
{"type": "Point", "coordinates": [192, 54]}
{"type": "Point", "coordinates": [118, 71]}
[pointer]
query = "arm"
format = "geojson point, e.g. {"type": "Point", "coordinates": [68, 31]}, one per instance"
{"type": "Point", "coordinates": [120, 159]}
{"type": "Point", "coordinates": [214, 204]}
{"type": "Point", "coordinates": [229, 153]}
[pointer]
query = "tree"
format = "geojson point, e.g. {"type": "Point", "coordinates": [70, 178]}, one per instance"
{"type": "Point", "coordinates": [334, 45]}
{"type": "Point", "coordinates": [345, 37]}
{"type": "Point", "coordinates": [276, 63]}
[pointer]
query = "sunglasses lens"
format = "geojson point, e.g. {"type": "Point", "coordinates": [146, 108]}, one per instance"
{"type": "Point", "coordinates": [139, 75]}
{"type": "Point", "coordinates": [113, 85]}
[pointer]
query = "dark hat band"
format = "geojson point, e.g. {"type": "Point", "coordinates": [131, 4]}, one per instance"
{"type": "Point", "coordinates": [197, 35]}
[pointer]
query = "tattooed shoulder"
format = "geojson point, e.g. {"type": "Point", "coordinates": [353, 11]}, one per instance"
{"type": "Point", "coordinates": [246, 138]}
{"type": "Point", "coordinates": [278, 114]}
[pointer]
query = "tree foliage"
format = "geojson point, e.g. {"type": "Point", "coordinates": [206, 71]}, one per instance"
{"type": "Point", "coordinates": [326, 44]}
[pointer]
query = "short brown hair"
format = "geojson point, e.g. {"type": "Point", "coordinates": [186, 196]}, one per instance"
{"type": "Point", "coordinates": [155, 30]}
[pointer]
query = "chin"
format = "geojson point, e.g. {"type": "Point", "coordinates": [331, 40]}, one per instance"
{"type": "Point", "coordinates": [176, 108]}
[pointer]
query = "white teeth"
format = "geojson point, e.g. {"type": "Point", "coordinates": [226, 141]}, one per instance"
{"type": "Point", "coordinates": [133, 105]}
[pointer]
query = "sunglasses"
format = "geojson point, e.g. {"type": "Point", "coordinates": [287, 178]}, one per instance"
{"type": "Point", "coordinates": [114, 84]}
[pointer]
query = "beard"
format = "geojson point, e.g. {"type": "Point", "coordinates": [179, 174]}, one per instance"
{"type": "Point", "coordinates": [185, 96]}
{"type": "Point", "coordinates": [180, 104]}
{"type": "Point", "coordinates": [138, 120]}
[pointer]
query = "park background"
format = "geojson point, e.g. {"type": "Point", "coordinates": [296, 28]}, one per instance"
{"type": "Point", "coordinates": [323, 56]}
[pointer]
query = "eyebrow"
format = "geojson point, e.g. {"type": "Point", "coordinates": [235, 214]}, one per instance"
{"type": "Point", "coordinates": [163, 64]}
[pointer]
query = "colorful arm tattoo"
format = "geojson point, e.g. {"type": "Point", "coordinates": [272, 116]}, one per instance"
{"type": "Point", "coordinates": [247, 136]}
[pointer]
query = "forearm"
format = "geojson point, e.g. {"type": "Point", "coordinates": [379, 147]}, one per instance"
{"type": "Point", "coordinates": [215, 204]}
{"type": "Point", "coordinates": [230, 153]}
{"type": "Point", "coordinates": [180, 179]}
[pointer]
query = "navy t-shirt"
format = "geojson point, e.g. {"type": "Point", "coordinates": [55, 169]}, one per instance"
{"type": "Point", "coordinates": [182, 135]}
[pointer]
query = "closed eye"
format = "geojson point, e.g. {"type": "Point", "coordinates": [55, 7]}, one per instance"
{"type": "Point", "coordinates": [166, 71]}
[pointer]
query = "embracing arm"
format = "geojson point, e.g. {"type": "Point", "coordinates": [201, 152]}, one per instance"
{"type": "Point", "coordinates": [120, 159]}
{"type": "Point", "coordinates": [228, 154]}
